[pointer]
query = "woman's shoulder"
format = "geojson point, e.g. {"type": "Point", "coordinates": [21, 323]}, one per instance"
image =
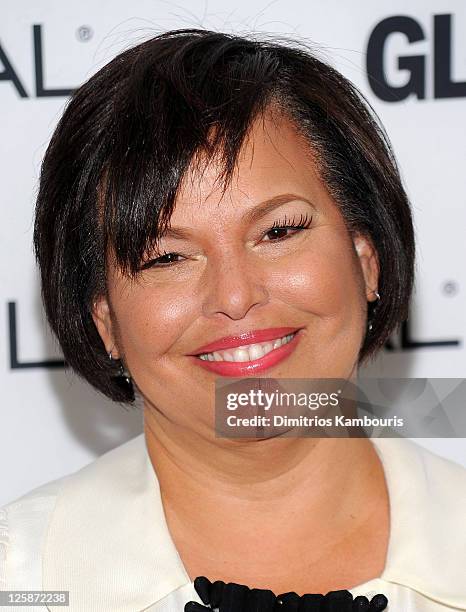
{"type": "Point", "coordinates": [23, 524]}
{"type": "Point", "coordinates": [105, 519]}
{"type": "Point", "coordinates": [425, 489]}
{"type": "Point", "coordinates": [427, 549]}
{"type": "Point", "coordinates": [414, 465]}
{"type": "Point", "coordinates": [26, 520]}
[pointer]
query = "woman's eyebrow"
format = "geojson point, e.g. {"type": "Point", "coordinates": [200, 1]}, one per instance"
{"type": "Point", "coordinates": [250, 216]}
{"type": "Point", "coordinates": [262, 209]}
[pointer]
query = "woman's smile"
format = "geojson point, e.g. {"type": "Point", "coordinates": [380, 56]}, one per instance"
{"type": "Point", "coordinates": [241, 358]}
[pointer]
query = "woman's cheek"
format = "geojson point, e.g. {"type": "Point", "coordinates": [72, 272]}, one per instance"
{"type": "Point", "coordinates": [316, 283]}
{"type": "Point", "coordinates": [152, 322]}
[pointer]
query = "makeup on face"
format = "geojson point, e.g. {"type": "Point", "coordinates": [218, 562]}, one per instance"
{"type": "Point", "coordinates": [248, 353]}
{"type": "Point", "coordinates": [262, 279]}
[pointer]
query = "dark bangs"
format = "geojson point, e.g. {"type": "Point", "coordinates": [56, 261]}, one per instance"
{"type": "Point", "coordinates": [191, 94]}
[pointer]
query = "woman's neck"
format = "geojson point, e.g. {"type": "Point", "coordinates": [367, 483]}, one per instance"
{"type": "Point", "coordinates": [257, 511]}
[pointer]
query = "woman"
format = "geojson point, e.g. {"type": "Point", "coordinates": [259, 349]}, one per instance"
{"type": "Point", "coordinates": [205, 192]}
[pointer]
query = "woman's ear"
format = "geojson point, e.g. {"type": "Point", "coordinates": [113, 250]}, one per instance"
{"type": "Point", "coordinates": [103, 321]}
{"type": "Point", "coordinates": [369, 261]}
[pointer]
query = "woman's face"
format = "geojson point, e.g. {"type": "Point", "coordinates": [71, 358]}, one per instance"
{"type": "Point", "coordinates": [232, 274]}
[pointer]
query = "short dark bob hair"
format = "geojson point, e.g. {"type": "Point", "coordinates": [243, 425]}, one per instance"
{"type": "Point", "coordinates": [112, 169]}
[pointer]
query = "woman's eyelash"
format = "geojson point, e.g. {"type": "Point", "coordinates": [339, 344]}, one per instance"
{"type": "Point", "coordinates": [303, 223]}
{"type": "Point", "coordinates": [154, 262]}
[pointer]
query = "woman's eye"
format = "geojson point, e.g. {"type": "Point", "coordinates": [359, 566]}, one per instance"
{"type": "Point", "coordinates": [279, 229]}
{"type": "Point", "coordinates": [162, 262]}
{"type": "Point", "coordinates": [277, 233]}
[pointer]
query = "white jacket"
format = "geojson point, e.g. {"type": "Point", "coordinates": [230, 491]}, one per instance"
{"type": "Point", "coordinates": [101, 534]}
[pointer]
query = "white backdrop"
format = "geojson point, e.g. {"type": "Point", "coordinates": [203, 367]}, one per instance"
{"type": "Point", "coordinates": [52, 423]}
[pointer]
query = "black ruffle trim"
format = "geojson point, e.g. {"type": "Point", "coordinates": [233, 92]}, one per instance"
{"type": "Point", "coordinates": [232, 597]}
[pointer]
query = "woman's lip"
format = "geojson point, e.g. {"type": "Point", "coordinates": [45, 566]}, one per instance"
{"type": "Point", "coordinates": [250, 337]}
{"type": "Point", "coordinates": [244, 368]}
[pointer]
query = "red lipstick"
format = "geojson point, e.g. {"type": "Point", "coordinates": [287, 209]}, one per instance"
{"type": "Point", "coordinates": [245, 368]}
{"type": "Point", "coordinates": [249, 337]}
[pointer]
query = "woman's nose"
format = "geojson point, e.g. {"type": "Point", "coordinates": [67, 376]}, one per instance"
{"type": "Point", "coordinates": [234, 284]}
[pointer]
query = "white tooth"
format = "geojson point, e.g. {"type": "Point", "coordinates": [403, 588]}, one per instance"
{"type": "Point", "coordinates": [240, 354]}
{"type": "Point", "coordinates": [247, 352]}
{"type": "Point", "coordinates": [267, 347]}
{"type": "Point", "coordinates": [256, 351]}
